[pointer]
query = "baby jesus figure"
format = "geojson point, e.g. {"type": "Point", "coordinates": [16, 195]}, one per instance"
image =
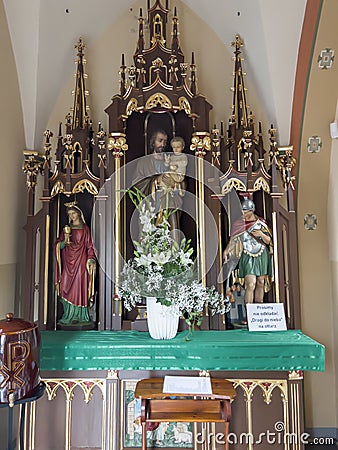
{"type": "Point", "coordinates": [176, 164]}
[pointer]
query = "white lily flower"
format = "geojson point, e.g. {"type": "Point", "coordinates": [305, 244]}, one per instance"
{"type": "Point", "coordinates": [161, 258]}
{"type": "Point", "coordinates": [157, 254]}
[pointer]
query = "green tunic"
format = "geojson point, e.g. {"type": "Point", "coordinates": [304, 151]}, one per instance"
{"type": "Point", "coordinates": [258, 265]}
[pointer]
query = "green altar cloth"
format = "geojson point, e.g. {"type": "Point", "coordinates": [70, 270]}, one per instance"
{"type": "Point", "coordinates": [207, 350]}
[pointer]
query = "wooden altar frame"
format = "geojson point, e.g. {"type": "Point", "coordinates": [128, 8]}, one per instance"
{"type": "Point", "coordinates": [244, 164]}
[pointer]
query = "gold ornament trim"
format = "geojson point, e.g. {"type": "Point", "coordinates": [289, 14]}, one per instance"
{"type": "Point", "coordinates": [132, 105]}
{"type": "Point", "coordinates": [184, 105]}
{"type": "Point", "coordinates": [261, 183]}
{"type": "Point", "coordinates": [267, 387]}
{"type": "Point", "coordinates": [58, 188]}
{"type": "Point", "coordinates": [68, 386]}
{"type": "Point", "coordinates": [117, 144]}
{"type": "Point", "coordinates": [33, 165]}
{"type": "Point", "coordinates": [158, 99]}
{"type": "Point", "coordinates": [112, 374]}
{"type": "Point", "coordinates": [83, 185]}
{"type": "Point", "coordinates": [200, 143]}
{"type": "Point", "coordinates": [117, 268]}
{"type": "Point", "coordinates": [235, 183]}
{"type": "Point", "coordinates": [296, 375]}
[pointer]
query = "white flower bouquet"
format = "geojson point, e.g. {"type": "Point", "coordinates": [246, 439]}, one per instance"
{"type": "Point", "coordinates": [164, 269]}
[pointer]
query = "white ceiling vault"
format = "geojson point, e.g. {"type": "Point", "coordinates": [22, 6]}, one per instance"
{"type": "Point", "coordinates": [42, 29]}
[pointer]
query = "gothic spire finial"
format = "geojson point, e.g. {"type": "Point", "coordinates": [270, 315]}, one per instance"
{"type": "Point", "coordinates": [140, 42]}
{"type": "Point", "coordinates": [157, 18]}
{"type": "Point", "coordinates": [175, 45]}
{"type": "Point", "coordinates": [122, 74]}
{"type": "Point", "coordinates": [193, 86]}
{"type": "Point", "coordinates": [239, 105]}
{"type": "Point", "coordinates": [80, 116]}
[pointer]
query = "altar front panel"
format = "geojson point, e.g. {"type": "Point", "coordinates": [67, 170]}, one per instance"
{"type": "Point", "coordinates": [96, 410]}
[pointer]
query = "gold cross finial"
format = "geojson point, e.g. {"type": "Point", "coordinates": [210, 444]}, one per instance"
{"type": "Point", "coordinates": [80, 46]}
{"type": "Point", "coordinates": [238, 43]}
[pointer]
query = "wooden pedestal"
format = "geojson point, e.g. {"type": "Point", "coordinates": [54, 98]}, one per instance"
{"type": "Point", "coordinates": [159, 407]}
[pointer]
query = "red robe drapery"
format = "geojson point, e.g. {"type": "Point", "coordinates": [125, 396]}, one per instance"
{"type": "Point", "coordinates": [71, 272]}
{"type": "Point", "coordinates": [241, 225]}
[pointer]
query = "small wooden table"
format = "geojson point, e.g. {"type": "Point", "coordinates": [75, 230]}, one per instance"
{"type": "Point", "coordinates": [159, 407]}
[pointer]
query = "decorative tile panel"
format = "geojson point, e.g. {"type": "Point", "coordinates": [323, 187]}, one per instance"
{"type": "Point", "coordinates": [325, 59]}
{"type": "Point", "coordinates": [310, 222]}
{"type": "Point", "coordinates": [314, 144]}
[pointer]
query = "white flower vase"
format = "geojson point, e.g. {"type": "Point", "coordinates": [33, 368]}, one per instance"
{"type": "Point", "coordinates": [162, 320]}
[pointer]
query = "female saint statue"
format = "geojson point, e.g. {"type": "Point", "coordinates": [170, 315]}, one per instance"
{"type": "Point", "coordinates": [75, 270]}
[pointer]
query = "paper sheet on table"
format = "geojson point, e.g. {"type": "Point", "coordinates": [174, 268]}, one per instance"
{"type": "Point", "coordinates": [187, 385]}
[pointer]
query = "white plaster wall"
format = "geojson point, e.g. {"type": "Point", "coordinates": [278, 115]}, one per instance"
{"type": "Point", "coordinates": [12, 179]}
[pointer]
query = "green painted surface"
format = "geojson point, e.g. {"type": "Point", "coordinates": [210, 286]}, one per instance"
{"type": "Point", "coordinates": [207, 350]}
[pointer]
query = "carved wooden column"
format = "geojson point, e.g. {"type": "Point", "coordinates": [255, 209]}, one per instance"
{"type": "Point", "coordinates": [200, 144]}
{"type": "Point", "coordinates": [33, 165]}
{"type": "Point", "coordinates": [296, 417]}
{"type": "Point", "coordinates": [118, 146]}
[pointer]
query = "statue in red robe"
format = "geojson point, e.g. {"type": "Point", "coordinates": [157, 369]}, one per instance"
{"type": "Point", "coordinates": [75, 269]}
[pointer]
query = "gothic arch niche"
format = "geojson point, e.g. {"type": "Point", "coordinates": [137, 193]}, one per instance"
{"type": "Point", "coordinates": [58, 211]}
{"type": "Point", "coordinates": [159, 92]}
{"type": "Point", "coordinates": [140, 128]}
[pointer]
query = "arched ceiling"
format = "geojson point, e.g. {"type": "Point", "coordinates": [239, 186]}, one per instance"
{"type": "Point", "coordinates": [42, 29]}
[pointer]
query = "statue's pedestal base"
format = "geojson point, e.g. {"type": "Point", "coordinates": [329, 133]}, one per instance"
{"type": "Point", "coordinates": [139, 325]}
{"type": "Point", "coordinates": [76, 326]}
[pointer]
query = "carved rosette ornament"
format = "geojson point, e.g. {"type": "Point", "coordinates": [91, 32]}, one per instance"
{"type": "Point", "coordinates": [117, 144]}
{"type": "Point", "coordinates": [200, 143]}
{"type": "Point", "coordinates": [33, 164]}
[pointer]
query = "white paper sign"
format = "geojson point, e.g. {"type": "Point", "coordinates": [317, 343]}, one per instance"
{"type": "Point", "coordinates": [187, 385]}
{"type": "Point", "coordinates": [266, 316]}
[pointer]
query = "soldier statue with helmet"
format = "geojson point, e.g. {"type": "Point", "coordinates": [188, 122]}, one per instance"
{"type": "Point", "coordinates": [251, 242]}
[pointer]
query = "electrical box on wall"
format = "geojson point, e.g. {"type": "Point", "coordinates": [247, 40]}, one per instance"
{"type": "Point", "coordinates": [334, 130]}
